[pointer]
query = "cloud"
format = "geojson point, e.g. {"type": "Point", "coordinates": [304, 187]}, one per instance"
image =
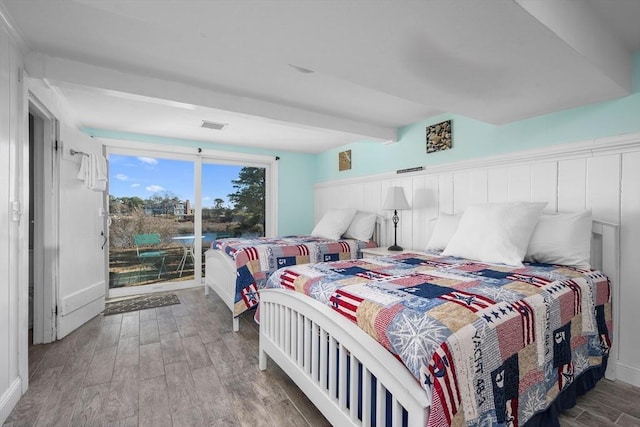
{"type": "Point", "coordinates": [122, 177]}
{"type": "Point", "coordinates": [154, 188]}
{"type": "Point", "coordinates": [206, 198]}
{"type": "Point", "coordinates": [135, 185]}
{"type": "Point", "coordinates": [148, 160]}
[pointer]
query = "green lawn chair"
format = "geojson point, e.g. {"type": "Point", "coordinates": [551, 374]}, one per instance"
{"type": "Point", "coordinates": [148, 254]}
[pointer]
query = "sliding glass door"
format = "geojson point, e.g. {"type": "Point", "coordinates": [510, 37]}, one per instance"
{"type": "Point", "coordinates": [166, 209]}
{"type": "Point", "coordinates": [233, 201]}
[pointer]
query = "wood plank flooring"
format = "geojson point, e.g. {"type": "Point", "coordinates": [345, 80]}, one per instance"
{"type": "Point", "coordinates": [182, 365]}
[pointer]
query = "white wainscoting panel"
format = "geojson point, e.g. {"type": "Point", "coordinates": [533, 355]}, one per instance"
{"type": "Point", "coordinates": [602, 175]}
{"type": "Point", "coordinates": [544, 184]}
{"type": "Point", "coordinates": [462, 193]}
{"type": "Point", "coordinates": [498, 185]}
{"type": "Point", "coordinates": [423, 208]}
{"type": "Point", "coordinates": [355, 194]}
{"type": "Point", "coordinates": [603, 187]}
{"type": "Point", "coordinates": [479, 187]}
{"type": "Point", "coordinates": [372, 197]}
{"type": "Point", "coordinates": [572, 185]}
{"type": "Point", "coordinates": [519, 183]}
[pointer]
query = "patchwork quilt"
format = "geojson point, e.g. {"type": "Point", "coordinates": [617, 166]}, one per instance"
{"type": "Point", "coordinates": [491, 344]}
{"type": "Point", "coordinates": [256, 258]}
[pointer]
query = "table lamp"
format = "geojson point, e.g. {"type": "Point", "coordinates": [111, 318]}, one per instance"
{"type": "Point", "coordinates": [395, 200]}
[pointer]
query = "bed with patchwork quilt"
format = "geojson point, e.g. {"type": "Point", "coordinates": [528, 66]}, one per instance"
{"type": "Point", "coordinates": [236, 268]}
{"type": "Point", "coordinates": [487, 344]}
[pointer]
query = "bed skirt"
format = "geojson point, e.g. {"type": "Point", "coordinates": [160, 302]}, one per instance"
{"type": "Point", "coordinates": [567, 398]}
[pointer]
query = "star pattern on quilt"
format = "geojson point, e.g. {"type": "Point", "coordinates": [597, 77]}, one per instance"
{"type": "Point", "coordinates": [413, 335]}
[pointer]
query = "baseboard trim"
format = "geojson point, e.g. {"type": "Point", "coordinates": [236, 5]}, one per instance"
{"type": "Point", "coordinates": [628, 374]}
{"type": "Point", "coordinates": [10, 399]}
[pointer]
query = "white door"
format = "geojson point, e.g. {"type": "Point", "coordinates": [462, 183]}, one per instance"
{"type": "Point", "coordinates": [43, 208]}
{"type": "Point", "coordinates": [81, 275]}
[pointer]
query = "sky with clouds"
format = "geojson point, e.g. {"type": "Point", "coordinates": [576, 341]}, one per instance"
{"type": "Point", "coordinates": [131, 176]}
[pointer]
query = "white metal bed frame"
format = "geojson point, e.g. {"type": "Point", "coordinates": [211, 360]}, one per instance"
{"type": "Point", "coordinates": [301, 335]}
{"type": "Point", "coordinates": [220, 273]}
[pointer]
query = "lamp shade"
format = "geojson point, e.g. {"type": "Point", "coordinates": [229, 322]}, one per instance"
{"type": "Point", "coordinates": [396, 200]}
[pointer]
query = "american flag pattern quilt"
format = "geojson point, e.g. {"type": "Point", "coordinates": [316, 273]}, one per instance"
{"type": "Point", "coordinates": [256, 258]}
{"type": "Point", "coordinates": [491, 344]}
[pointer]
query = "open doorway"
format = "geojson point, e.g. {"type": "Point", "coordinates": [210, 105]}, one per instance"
{"type": "Point", "coordinates": [32, 211]}
{"type": "Point", "coordinates": [151, 230]}
{"type": "Point", "coordinates": [43, 164]}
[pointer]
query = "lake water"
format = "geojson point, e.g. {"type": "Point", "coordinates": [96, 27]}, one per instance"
{"type": "Point", "coordinates": [209, 237]}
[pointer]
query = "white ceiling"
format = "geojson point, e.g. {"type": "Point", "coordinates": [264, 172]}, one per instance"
{"type": "Point", "coordinates": [161, 67]}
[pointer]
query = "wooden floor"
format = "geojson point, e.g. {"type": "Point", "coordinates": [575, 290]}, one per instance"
{"type": "Point", "coordinates": [182, 365]}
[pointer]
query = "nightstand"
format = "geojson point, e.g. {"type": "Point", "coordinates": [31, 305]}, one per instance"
{"type": "Point", "coordinates": [374, 252]}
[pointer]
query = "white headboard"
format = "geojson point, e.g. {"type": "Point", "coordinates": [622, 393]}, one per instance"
{"type": "Point", "coordinates": [380, 230]}
{"type": "Point", "coordinates": [605, 256]}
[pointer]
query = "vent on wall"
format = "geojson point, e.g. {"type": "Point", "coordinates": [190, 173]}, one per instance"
{"type": "Point", "coordinates": [213, 125]}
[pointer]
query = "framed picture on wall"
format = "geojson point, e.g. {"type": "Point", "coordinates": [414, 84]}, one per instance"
{"type": "Point", "coordinates": [439, 137]}
{"type": "Point", "coordinates": [344, 160]}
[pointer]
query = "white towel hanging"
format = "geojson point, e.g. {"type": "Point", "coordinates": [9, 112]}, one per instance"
{"type": "Point", "coordinates": [99, 172]}
{"type": "Point", "coordinates": [85, 168]}
{"type": "Point", "coordinates": [93, 172]}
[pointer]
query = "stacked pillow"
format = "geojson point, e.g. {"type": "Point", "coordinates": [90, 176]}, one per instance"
{"type": "Point", "coordinates": [495, 232]}
{"type": "Point", "coordinates": [508, 233]}
{"type": "Point", "coordinates": [563, 239]}
{"type": "Point", "coordinates": [347, 223]}
{"type": "Point", "coordinates": [362, 226]}
{"type": "Point", "coordinates": [334, 223]}
{"type": "Point", "coordinates": [444, 227]}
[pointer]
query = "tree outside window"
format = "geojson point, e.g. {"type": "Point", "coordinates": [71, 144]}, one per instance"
{"type": "Point", "coordinates": [249, 200]}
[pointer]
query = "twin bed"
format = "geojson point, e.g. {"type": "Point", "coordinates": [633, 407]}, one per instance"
{"type": "Point", "coordinates": [432, 338]}
{"type": "Point", "coordinates": [236, 268]}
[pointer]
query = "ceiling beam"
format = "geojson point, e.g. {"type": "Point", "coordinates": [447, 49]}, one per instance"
{"type": "Point", "coordinates": [577, 26]}
{"type": "Point", "coordinates": [60, 71]}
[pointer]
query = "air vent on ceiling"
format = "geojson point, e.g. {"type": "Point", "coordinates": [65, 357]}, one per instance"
{"type": "Point", "coordinates": [213, 125]}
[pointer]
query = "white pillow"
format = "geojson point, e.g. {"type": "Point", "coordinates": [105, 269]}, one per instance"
{"type": "Point", "coordinates": [495, 232]}
{"type": "Point", "coordinates": [362, 226]}
{"type": "Point", "coordinates": [443, 230]}
{"type": "Point", "coordinates": [334, 223]}
{"type": "Point", "coordinates": [563, 239]}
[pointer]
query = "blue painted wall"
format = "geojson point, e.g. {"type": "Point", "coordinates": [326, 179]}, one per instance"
{"type": "Point", "coordinates": [296, 172]}
{"type": "Point", "coordinates": [472, 138]}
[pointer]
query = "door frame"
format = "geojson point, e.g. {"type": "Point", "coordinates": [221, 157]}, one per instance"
{"type": "Point", "coordinates": [46, 226]}
{"type": "Point", "coordinates": [198, 156]}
